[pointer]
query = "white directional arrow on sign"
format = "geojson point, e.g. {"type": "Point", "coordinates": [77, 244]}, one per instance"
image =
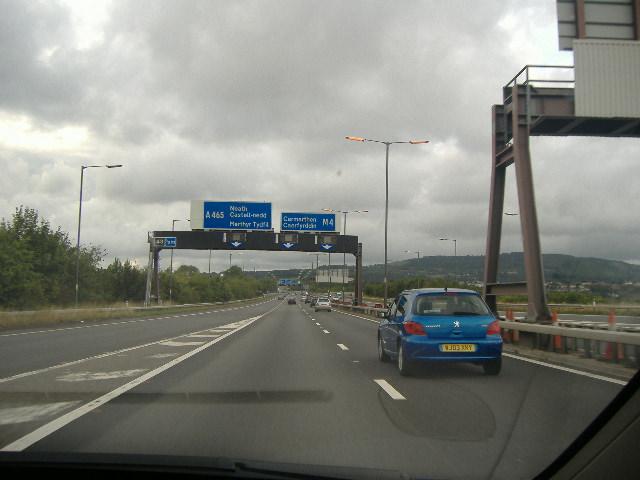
{"type": "Point", "coordinates": [327, 246]}
{"type": "Point", "coordinates": [236, 244]}
{"type": "Point", "coordinates": [288, 245]}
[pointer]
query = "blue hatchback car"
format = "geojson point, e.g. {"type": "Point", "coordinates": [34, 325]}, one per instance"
{"type": "Point", "coordinates": [439, 324]}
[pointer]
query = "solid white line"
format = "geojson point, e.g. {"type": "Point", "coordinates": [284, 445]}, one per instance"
{"type": "Point", "coordinates": [392, 392]}
{"type": "Point", "coordinates": [343, 347]}
{"type": "Point", "coordinates": [49, 428]}
{"type": "Point", "coordinates": [326, 331]}
{"type": "Point", "coordinates": [566, 369]}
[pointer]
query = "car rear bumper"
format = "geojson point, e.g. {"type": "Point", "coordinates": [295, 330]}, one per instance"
{"type": "Point", "coordinates": [421, 348]}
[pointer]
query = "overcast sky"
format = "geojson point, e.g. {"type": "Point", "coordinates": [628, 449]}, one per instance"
{"type": "Point", "coordinates": [251, 100]}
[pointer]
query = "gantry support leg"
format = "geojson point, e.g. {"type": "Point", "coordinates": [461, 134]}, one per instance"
{"type": "Point", "coordinates": [538, 310]}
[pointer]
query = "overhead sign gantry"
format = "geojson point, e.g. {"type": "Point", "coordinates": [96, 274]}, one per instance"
{"type": "Point", "coordinates": [206, 234]}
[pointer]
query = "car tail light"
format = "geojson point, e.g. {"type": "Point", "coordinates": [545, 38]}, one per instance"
{"type": "Point", "coordinates": [413, 328]}
{"type": "Point", "coordinates": [493, 328]}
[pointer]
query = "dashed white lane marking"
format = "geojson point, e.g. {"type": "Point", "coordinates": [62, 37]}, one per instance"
{"type": "Point", "coordinates": [317, 324]}
{"type": "Point", "coordinates": [343, 347]}
{"type": "Point", "coordinates": [91, 376]}
{"type": "Point", "coordinates": [392, 392]}
{"type": "Point", "coordinates": [326, 331]}
{"type": "Point", "coordinates": [566, 369]}
{"type": "Point", "coordinates": [180, 344]}
{"type": "Point", "coordinates": [10, 416]}
{"type": "Point", "coordinates": [110, 324]}
{"type": "Point", "coordinates": [56, 424]}
{"type": "Point", "coordinates": [358, 316]}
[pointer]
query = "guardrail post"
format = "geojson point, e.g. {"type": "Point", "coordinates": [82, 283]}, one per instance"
{"type": "Point", "coordinates": [587, 348]}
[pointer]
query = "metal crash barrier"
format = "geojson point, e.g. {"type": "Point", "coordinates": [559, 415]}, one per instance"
{"type": "Point", "coordinates": [618, 343]}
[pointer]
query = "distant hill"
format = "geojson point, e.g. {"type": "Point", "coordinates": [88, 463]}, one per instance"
{"type": "Point", "coordinates": [557, 268]}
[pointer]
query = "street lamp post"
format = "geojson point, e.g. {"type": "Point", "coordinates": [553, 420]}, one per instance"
{"type": "Point", "coordinates": [411, 251]}
{"type": "Point", "coordinates": [386, 203]}
{"type": "Point", "coordinates": [317, 266]}
{"type": "Point", "coordinates": [173, 229]}
{"type": "Point", "coordinates": [455, 252]}
{"type": "Point", "coordinates": [230, 254]}
{"type": "Point", "coordinates": [82, 168]}
{"type": "Point", "coordinates": [344, 232]}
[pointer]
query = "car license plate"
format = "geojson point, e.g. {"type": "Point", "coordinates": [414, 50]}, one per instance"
{"type": "Point", "coordinates": [458, 347]}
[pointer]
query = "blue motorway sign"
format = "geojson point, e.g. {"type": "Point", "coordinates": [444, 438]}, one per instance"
{"type": "Point", "coordinates": [308, 222]}
{"type": "Point", "coordinates": [165, 242]}
{"type": "Point", "coordinates": [237, 215]}
{"type": "Point", "coordinates": [287, 282]}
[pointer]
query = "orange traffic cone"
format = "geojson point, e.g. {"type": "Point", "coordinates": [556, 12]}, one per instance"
{"type": "Point", "coordinates": [515, 334]}
{"type": "Point", "coordinates": [557, 339]}
{"type": "Point", "coordinates": [611, 320]}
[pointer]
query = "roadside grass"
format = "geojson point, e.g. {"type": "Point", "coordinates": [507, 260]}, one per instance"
{"type": "Point", "coordinates": [54, 317]}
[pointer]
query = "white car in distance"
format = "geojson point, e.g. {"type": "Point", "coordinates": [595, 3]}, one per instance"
{"type": "Point", "coordinates": [323, 303]}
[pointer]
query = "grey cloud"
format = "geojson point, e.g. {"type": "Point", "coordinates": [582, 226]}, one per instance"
{"type": "Point", "coordinates": [252, 100]}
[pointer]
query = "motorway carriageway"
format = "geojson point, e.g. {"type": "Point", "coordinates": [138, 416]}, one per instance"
{"type": "Point", "coordinates": [281, 383]}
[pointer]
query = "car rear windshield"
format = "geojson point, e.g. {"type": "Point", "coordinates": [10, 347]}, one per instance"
{"type": "Point", "coordinates": [449, 303]}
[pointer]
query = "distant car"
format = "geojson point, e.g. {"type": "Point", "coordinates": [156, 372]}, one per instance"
{"type": "Point", "coordinates": [314, 300]}
{"type": "Point", "coordinates": [435, 324]}
{"type": "Point", "coordinates": [291, 301]}
{"type": "Point", "coordinates": [322, 304]}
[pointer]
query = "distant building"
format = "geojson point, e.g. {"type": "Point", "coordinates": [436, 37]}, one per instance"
{"type": "Point", "coordinates": [333, 275]}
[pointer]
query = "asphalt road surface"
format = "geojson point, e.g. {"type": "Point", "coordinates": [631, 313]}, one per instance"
{"type": "Point", "coordinates": [282, 383]}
